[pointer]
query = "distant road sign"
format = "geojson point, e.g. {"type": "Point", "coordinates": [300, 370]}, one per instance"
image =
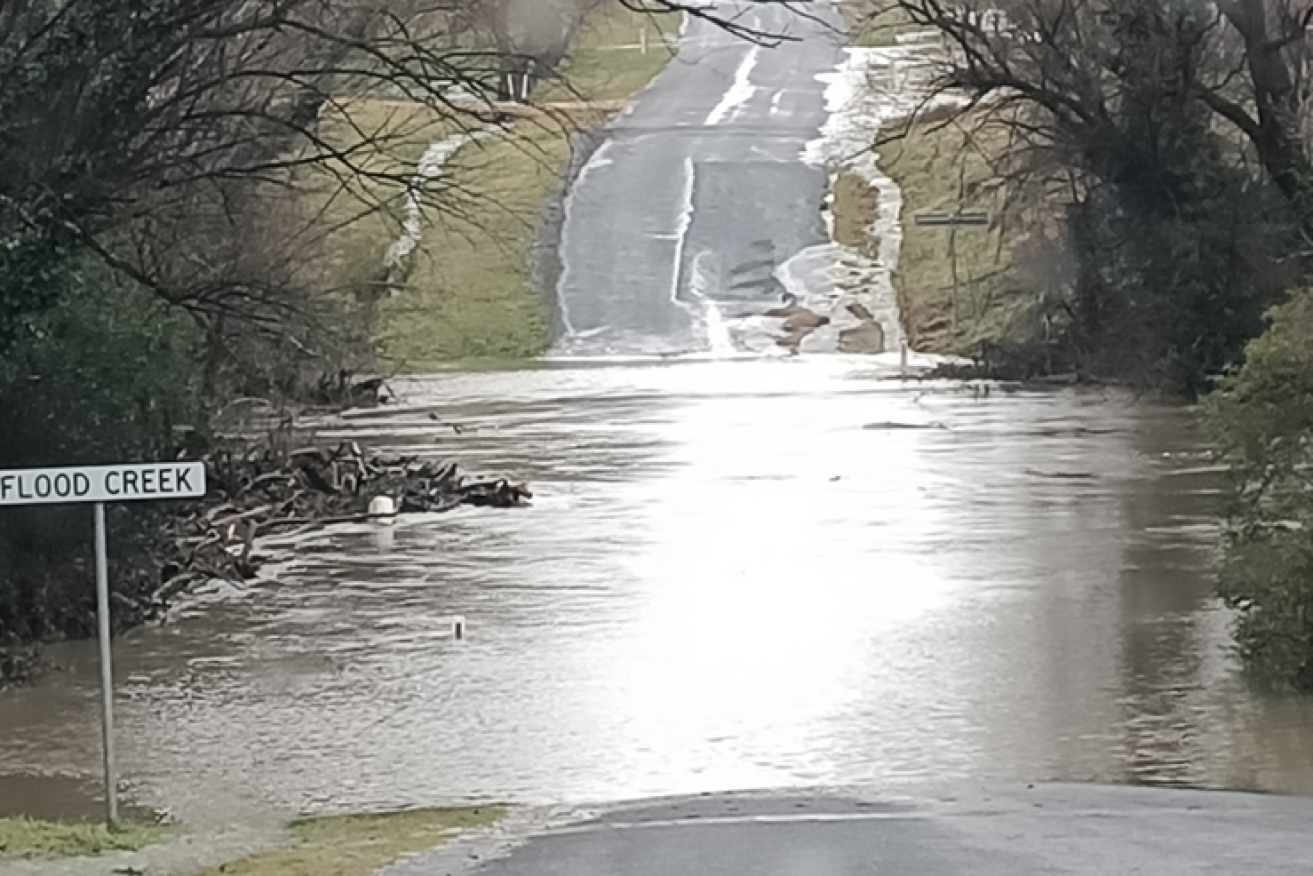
{"type": "Point", "coordinates": [104, 483]}
{"type": "Point", "coordinates": [966, 217]}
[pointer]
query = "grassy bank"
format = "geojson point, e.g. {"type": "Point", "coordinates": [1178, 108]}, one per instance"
{"type": "Point", "coordinates": [30, 838]}
{"type": "Point", "coordinates": [468, 289]}
{"type": "Point", "coordinates": [359, 845]}
{"type": "Point", "coordinates": [956, 286]}
{"type": "Point", "coordinates": [471, 293]}
{"type": "Point", "coordinates": [875, 23]}
{"type": "Point", "coordinates": [608, 62]}
{"type": "Point", "coordinates": [953, 283]}
{"type": "Point", "coordinates": [350, 845]}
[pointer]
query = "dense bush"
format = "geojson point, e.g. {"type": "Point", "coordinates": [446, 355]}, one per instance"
{"type": "Point", "coordinates": [1164, 137]}
{"type": "Point", "coordinates": [107, 374]}
{"type": "Point", "coordinates": [1262, 417]}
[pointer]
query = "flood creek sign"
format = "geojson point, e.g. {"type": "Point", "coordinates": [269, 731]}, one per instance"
{"type": "Point", "coordinates": [105, 483]}
{"type": "Point", "coordinates": [98, 485]}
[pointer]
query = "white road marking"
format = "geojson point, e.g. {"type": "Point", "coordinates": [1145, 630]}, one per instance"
{"type": "Point", "coordinates": [685, 221]}
{"type": "Point", "coordinates": [791, 818]}
{"type": "Point", "coordinates": [740, 92]}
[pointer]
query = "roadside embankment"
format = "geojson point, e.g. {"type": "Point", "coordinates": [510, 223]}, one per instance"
{"type": "Point", "coordinates": [452, 257]}
{"type": "Point", "coordinates": [957, 288]}
{"type": "Point", "coordinates": [864, 95]}
{"type": "Point", "coordinates": [934, 175]}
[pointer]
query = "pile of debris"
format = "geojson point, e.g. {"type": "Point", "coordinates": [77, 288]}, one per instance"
{"type": "Point", "coordinates": [262, 490]}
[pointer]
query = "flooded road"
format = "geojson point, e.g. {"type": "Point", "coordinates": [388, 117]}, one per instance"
{"type": "Point", "coordinates": [737, 574]}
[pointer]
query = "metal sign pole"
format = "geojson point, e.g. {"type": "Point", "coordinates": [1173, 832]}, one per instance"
{"type": "Point", "coordinates": [106, 667]}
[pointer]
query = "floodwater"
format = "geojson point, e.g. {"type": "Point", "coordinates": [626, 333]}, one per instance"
{"type": "Point", "coordinates": [737, 574]}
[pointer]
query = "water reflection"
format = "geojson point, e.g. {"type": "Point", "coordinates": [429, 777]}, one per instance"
{"type": "Point", "coordinates": [738, 574]}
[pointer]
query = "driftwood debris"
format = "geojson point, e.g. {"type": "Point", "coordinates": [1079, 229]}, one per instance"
{"type": "Point", "coordinates": [263, 490]}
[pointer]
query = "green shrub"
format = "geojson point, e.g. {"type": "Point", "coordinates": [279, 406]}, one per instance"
{"type": "Point", "coordinates": [105, 375]}
{"type": "Point", "coordinates": [1262, 417]}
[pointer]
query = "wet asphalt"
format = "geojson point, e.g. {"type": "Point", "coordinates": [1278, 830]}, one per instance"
{"type": "Point", "coordinates": [994, 831]}
{"type": "Point", "coordinates": [699, 192]}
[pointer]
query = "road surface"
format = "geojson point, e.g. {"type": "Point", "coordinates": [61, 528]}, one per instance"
{"type": "Point", "coordinates": [699, 192]}
{"type": "Point", "coordinates": [1015, 830]}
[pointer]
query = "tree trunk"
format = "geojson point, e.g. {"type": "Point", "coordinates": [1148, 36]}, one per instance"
{"type": "Point", "coordinates": [1278, 100]}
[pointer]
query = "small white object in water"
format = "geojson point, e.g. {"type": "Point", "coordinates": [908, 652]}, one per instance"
{"type": "Point", "coordinates": [383, 509]}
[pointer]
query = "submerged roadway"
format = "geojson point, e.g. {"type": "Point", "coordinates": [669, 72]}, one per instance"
{"type": "Point", "coordinates": [695, 198]}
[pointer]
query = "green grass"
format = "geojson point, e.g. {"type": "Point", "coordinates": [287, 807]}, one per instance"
{"type": "Point", "coordinates": [29, 838]}
{"type": "Point", "coordinates": [608, 62]}
{"type": "Point", "coordinates": [470, 294]}
{"type": "Point", "coordinates": [468, 291]}
{"type": "Point", "coordinates": [856, 205]}
{"type": "Point", "coordinates": [351, 219]}
{"type": "Point", "coordinates": [876, 23]}
{"type": "Point", "coordinates": [359, 845]}
{"type": "Point", "coordinates": [956, 287]}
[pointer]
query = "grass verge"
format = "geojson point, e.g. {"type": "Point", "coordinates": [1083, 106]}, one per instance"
{"type": "Point", "coordinates": [468, 291]}
{"type": "Point", "coordinates": [618, 52]}
{"type": "Point", "coordinates": [30, 838]}
{"type": "Point", "coordinates": [351, 219]}
{"type": "Point", "coordinates": [956, 285]}
{"type": "Point", "coordinates": [359, 845]}
{"type": "Point", "coordinates": [876, 23]}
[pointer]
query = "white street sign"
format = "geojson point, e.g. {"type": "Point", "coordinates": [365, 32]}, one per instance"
{"type": "Point", "coordinates": [104, 483]}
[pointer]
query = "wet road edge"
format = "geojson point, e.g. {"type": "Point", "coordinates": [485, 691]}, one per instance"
{"type": "Point", "coordinates": [1013, 827]}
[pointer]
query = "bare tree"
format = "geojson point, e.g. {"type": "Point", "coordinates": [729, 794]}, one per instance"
{"type": "Point", "coordinates": [1068, 62]}
{"type": "Point", "coordinates": [1118, 100]}
{"type": "Point", "coordinates": [1272, 110]}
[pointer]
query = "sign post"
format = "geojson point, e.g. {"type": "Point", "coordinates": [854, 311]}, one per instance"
{"type": "Point", "coordinates": [106, 668]}
{"type": "Point", "coordinates": [953, 221]}
{"type": "Point", "coordinates": [98, 485]}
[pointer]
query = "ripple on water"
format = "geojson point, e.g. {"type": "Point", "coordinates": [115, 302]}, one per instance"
{"type": "Point", "coordinates": [727, 581]}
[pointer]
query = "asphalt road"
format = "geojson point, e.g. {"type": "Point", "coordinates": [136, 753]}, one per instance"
{"type": "Point", "coordinates": [1000, 831]}
{"type": "Point", "coordinates": [699, 191]}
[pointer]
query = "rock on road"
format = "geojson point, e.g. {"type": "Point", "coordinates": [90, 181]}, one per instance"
{"type": "Point", "coordinates": [1003, 831]}
{"type": "Point", "coordinates": [699, 192]}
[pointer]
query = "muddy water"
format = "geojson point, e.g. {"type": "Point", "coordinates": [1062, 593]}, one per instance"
{"type": "Point", "coordinates": [737, 574]}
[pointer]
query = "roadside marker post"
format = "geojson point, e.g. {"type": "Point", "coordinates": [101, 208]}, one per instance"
{"type": "Point", "coordinates": [98, 485]}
